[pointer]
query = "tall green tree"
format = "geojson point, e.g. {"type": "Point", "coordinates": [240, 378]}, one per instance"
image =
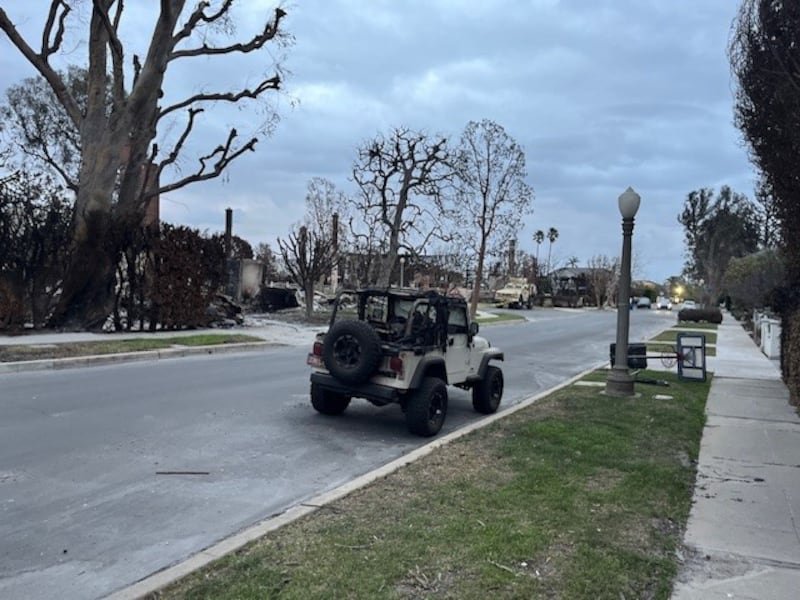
{"type": "Point", "coordinates": [751, 280]}
{"type": "Point", "coordinates": [538, 237]}
{"type": "Point", "coordinates": [765, 54]}
{"type": "Point", "coordinates": [35, 126]}
{"type": "Point", "coordinates": [552, 236]}
{"type": "Point", "coordinates": [121, 167]}
{"type": "Point", "coordinates": [717, 228]}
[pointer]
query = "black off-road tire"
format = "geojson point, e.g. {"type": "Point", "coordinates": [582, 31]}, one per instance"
{"type": "Point", "coordinates": [426, 407]}
{"type": "Point", "coordinates": [328, 402]}
{"type": "Point", "coordinates": [351, 351]}
{"type": "Point", "coordinates": [487, 394]}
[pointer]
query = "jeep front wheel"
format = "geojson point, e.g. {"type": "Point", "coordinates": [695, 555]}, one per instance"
{"type": "Point", "coordinates": [487, 393]}
{"type": "Point", "coordinates": [427, 407]}
{"type": "Point", "coordinates": [351, 351]}
{"type": "Point", "coordinates": [328, 402]}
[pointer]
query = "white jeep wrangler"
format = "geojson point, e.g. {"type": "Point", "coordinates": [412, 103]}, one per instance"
{"type": "Point", "coordinates": [403, 346]}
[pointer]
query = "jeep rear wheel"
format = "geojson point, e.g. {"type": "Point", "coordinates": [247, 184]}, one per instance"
{"type": "Point", "coordinates": [426, 408]}
{"type": "Point", "coordinates": [486, 394]}
{"type": "Point", "coordinates": [328, 402]}
{"type": "Point", "coordinates": [351, 351]}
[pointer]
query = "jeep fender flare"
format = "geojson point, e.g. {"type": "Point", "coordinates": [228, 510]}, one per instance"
{"type": "Point", "coordinates": [430, 366]}
{"type": "Point", "coordinates": [489, 355]}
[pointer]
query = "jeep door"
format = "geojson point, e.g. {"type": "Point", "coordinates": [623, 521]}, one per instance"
{"type": "Point", "coordinates": [458, 346]}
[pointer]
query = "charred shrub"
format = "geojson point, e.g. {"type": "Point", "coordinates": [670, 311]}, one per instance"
{"type": "Point", "coordinates": [188, 270]}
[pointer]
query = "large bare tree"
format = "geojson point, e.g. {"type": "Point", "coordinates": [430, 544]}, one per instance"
{"type": "Point", "coordinates": [401, 178]}
{"type": "Point", "coordinates": [121, 167]}
{"type": "Point", "coordinates": [492, 192]}
{"type": "Point", "coordinates": [310, 251]}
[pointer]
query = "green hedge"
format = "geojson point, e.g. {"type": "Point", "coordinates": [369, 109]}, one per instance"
{"type": "Point", "coordinates": [700, 315]}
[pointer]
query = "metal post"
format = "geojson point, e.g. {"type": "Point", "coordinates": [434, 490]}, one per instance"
{"type": "Point", "coordinates": [620, 381]}
{"type": "Point", "coordinates": [402, 268]}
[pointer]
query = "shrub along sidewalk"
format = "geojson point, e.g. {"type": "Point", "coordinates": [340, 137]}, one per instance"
{"type": "Point", "coordinates": [576, 496]}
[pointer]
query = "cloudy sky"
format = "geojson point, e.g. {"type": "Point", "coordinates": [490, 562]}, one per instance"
{"type": "Point", "coordinates": [602, 95]}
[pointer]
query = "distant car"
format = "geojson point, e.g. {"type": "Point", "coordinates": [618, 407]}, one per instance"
{"type": "Point", "coordinates": [643, 302]}
{"type": "Point", "coordinates": [664, 304]}
{"type": "Point", "coordinates": [689, 304]}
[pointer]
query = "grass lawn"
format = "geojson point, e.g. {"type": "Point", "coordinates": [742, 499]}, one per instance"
{"type": "Point", "coordinates": [671, 335]}
{"type": "Point", "coordinates": [693, 325]}
{"type": "Point", "coordinates": [577, 496]}
{"type": "Point", "coordinates": [46, 351]}
{"type": "Point", "coordinates": [499, 317]}
{"type": "Point", "coordinates": [670, 349]}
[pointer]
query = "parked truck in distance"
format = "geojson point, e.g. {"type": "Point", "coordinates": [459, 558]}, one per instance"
{"type": "Point", "coordinates": [516, 293]}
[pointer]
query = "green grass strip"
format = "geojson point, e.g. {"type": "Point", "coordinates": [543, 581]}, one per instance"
{"type": "Point", "coordinates": [671, 335]}
{"type": "Point", "coordinates": [578, 496]}
{"type": "Point", "coordinates": [500, 317]}
{"type": "Point", "coordinates": [75, 349]}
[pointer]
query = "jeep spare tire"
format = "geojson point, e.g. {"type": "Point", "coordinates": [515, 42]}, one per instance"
{"type": "Point", "coordinates": [351, 351]}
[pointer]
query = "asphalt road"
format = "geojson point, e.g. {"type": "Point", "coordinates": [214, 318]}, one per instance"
{"type": "Point", "coordinates": [108, 474]}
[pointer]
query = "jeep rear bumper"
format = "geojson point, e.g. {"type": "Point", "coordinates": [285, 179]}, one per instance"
{"type": "Point", "coordinates": [379, 395]}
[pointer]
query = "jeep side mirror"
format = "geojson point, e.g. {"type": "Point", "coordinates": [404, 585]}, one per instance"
{"type": "Point", "coordinates": [473, 328]}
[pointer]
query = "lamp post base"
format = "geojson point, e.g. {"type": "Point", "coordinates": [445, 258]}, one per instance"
{"type": "Point", "coordinates": [620, 383]}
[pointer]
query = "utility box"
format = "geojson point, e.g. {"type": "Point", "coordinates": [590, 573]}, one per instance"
{"type": "Point", "coordinates": [637, 355]}
{"type": "Point", "coordinates": [771, 337]}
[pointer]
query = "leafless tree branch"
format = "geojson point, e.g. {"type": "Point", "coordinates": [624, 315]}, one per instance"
{"type": "Point", "coordinates": [173, 156]}
{"type": "Point", "coordinates": [39, 61]}
{"type": "Point", "coordinates": [223, 154]}
{"type": "Point", "coordinates": [271, 29]}
{"type": "Point", "coordinates": [47, 47]}
{"type": "Point", "coordinates": [272, 83]}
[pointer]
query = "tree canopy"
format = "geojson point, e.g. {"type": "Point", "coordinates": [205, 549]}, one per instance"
{"type": "Point", "coordinates": [716, 229]}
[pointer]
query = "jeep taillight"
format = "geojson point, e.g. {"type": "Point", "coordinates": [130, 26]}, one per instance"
{"type": "Point", "coordinates": [316, 350]}
{"type": "Point", "coordinates": [396, 365]}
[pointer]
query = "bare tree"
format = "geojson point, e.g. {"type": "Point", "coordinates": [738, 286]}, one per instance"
{"type": "Point", "coordinates": [492, 193]}
{"type": "Point", "coordinates": [309, 252]}
{"type": "Point", "coordinates": [120, 168]}
{"type": "Point", "coordinates": [307, 257]}
{"type": "Point", "coordinates": [602, 270]}
{"type": "Point", "coordinates": [400, 179]}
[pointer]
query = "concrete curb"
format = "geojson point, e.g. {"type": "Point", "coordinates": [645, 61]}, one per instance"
{"type": "Point", "coordinates": [106, 359]}
{"type": "Point", "coordinates": [171, 574]}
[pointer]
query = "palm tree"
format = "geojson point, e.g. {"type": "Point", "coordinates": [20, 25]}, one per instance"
{"type": "Point", "coordinates": [552, 235]}
{"type": "Point", "coordinates": [538, 237]}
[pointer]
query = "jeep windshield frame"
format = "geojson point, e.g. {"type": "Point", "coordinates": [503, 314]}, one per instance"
{"type": "Point", "coordinates": [409, 301]}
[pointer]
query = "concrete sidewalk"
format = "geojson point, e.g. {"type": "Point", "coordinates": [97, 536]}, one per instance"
{"type": "Point", "coordinates": [743, 536]}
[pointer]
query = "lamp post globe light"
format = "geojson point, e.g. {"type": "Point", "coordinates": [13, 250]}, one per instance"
{"type": "Point", "coordinates": [620, 381]}
{"type": "Point", "coordinates": [402, 268]}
